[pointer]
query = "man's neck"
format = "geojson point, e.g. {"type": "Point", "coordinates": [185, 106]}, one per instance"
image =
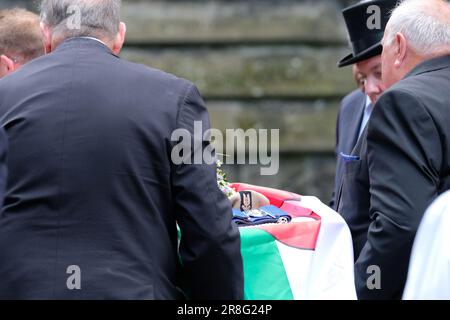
{"type": "Point", "coordinates": [57, 43]}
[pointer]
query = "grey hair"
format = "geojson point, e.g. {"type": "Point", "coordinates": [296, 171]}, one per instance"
{"type": "Point", "coordinates": [425, 24]}
{"type": "Point", "coordinates": [96, 18]}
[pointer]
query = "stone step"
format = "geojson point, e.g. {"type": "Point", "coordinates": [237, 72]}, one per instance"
{"type": "Point", "coordinates": [194, 21]}
{"type": "Point", "coordinates": [254, 71]}
{"type": "Point", "coordinates": [305, 126]}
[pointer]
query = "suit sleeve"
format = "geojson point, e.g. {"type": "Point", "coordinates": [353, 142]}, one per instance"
{"type": "Point", "coordinates": [210, 243]}
{"type": "Point", "coordinates": [3, 164]}
{"type": "Point", "coordinates": [404, 159]}
{"type": "Point", "coordinates": [332, 203]}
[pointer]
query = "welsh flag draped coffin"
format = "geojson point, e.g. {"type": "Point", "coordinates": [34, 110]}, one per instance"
{"type": "Point", "coordinates": [309, 258]}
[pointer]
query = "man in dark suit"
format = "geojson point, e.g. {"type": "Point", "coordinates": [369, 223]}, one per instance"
{"type": "Point", "coordinates": [94, 196]}
{"type": "Point", "coordinates": [408, 143]}
{"type": "Point", "coordinates": [355, 113]}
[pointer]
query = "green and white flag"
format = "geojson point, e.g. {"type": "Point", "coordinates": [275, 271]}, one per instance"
{"type": "Point", "coordinates": [309, 258]}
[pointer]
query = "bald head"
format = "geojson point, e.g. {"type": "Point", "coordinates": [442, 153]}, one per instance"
{"type": "Point", "coordinates": [425, 24]}
{"type": "Point", "coordinates": [418, 30]}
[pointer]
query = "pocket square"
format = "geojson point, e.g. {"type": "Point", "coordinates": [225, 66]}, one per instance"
{"type": "Point", "coordinates": [348, 158]}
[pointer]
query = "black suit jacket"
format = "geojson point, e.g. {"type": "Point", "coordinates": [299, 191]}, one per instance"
{"type": "Point", "coordinates": [347, 129]}
{"type": "Point", "coordinates": [407, 163]}
{"type": "Point", "coordinates": [92, 184]}
{"type": "Point", "coordinates": [3, 159]}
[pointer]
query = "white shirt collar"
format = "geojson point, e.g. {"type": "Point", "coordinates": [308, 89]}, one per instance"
{"type": "Point", "coordinates": [92, 38]}
{"type": "Point", "coordinates": [368, 101]}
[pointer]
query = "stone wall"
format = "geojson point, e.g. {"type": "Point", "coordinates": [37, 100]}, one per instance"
{"type": "Point", "coordinates": [258, 64]}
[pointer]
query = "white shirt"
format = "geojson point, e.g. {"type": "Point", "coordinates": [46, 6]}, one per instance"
{"type": "Point", "coordinates": [429, 266]}
{"type": "Point", "coordinates": [92, 38]}
{"type": "Point", "coordinates": [367, 112]}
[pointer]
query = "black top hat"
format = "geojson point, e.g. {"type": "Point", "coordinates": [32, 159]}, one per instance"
{"type": "Point", "coordinates": [363, 28]}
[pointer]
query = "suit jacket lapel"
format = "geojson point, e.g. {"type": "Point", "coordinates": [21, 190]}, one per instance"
{"type": "Point", "coordinates": [351, 140]}
{"type": "Point", "coordinates": [355, 125]}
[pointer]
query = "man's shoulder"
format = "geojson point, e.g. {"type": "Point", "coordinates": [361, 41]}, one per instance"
{"type": "Point", "coordinates": [355, 95]}
{"type": "Point", "coordinates": [148, 74]}
{"type": "Point", "coordinates": [408, 101]}
{"type": "Point", "coordinates": [423, 84]}
{"type": "Point", "coordinates": [414, 89]}
{"type": "Point", "coordinates": [117, 66]}
{"type": "Point", "coordinates": [18, 78]}
{"type": "Point", "coordinates": [353, 101]}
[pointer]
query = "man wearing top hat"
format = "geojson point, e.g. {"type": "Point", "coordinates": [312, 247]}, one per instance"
{"type": "Point", "coordinates": [365, 22]}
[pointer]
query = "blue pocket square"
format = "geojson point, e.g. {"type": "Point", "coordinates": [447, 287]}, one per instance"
{"type": "Point", "coordinates": [348, 158]}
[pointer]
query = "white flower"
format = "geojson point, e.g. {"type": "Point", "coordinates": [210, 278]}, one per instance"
{"type": "Point", "coordinates": [222, 182]}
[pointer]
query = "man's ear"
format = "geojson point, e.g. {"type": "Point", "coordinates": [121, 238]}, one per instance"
{"type": "Point", "coordinates": [401, 49]}
{"type": "Point", "coordinates": [47, 37]}
{"type": "Point", "coordinates": [120, 39]}
{"type": "Point", "coordinates": [6, 65]}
